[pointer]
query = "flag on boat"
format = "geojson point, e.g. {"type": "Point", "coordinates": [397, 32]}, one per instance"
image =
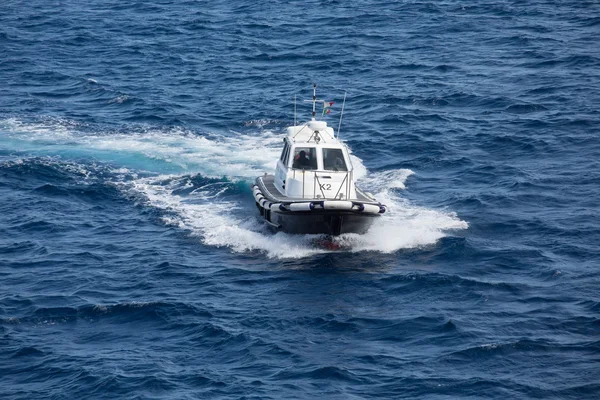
{"type": "Point", "coordinates": [326, 106]}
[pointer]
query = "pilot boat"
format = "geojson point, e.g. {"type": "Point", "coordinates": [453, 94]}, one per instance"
{"type": "Point", "coordinates": [313, 189]}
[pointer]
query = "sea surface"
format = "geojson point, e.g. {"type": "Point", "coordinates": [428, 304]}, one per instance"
{"type": "Point", "coordinates": [133, 264]}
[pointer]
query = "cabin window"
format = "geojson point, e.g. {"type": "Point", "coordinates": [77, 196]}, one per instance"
{"type": "Point", "coordinates": [286, 156]}
{"type": "Point", "coordinates": [305, 158]}
{"type": "Point", "coordinates": [283, 152]}
{"type": "Point", "coordinates": [333, 160]}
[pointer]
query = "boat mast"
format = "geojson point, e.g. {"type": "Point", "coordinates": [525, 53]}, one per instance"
{"type": "Point", "coordinates": [314, 100]}
{"type": "Point", "coordinates": [341, 115]}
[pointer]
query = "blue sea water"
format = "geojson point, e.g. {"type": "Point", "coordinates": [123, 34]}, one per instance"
{"type": "Point", "coordinates": [132, 260]}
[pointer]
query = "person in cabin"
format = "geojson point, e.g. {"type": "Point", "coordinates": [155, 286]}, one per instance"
{"type": "Point", "coordinates": [302, 161]}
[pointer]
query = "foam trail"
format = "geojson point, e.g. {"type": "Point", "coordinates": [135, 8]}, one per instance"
{"type": "Point", "coordinates": [154, 150]}
{"type": "Point", "coordinates": [215, 222]}
{"type": "Point", "coordinates": [203, 211]}
{"type": "Point", "coordinates": [403, 226]}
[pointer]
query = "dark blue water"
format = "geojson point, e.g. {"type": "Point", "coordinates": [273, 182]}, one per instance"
{"type": "Point", "coordinates": [132, 261]}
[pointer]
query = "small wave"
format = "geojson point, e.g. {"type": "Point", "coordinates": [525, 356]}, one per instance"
{"type": "Point", "coordinates": [497, 349]}
{"type": "Point", "coordinates": [329, 373]}
{"type": "Point", "coordinates": [591, 305]}
{"type": "Point", "coordinates": [27, 351]}
{"type": "Point", "coordinates": [51, 190]}
{"type": "Point", "coordinates": [127, 312]}
{"type": "Point", "coordinates": [462, 286]}
{"type": "Point", "coordinates": [120, 99]}
{"type": "Point", "coordinates": [445, 68]}
{"type": "Point", "coordinates": [39, 226]}
{"type": "Point", "coordinates": [570, 61]}
{"type": "Point", "coordinates": [525, 108]}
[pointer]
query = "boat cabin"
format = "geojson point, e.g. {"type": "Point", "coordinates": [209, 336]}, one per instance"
{"type": "Point", "coordinates": [314, 164]}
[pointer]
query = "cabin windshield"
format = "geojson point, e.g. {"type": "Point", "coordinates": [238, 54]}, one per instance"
{"type": "Point", "coordinates": [333, 160]}
{"type": "Point", "coordinates": [305, 158]}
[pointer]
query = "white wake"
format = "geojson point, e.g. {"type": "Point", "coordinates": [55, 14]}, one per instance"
{"type": "Point", "coordinates": [203, 211]}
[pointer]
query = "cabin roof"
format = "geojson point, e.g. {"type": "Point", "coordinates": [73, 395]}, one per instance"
{"type": "Point", "coordinates": [315, 132]}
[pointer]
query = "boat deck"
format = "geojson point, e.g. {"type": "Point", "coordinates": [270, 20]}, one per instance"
{"type": "Point", "coordinates": [267, 187]}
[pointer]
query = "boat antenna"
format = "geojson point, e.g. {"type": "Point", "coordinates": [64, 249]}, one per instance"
{"type": "Point", "coordinates": [314, 99]}
{"type": "Point", "coordinates": [294, 110]}
{"type": "Point", "coordinates": [341, 115]}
